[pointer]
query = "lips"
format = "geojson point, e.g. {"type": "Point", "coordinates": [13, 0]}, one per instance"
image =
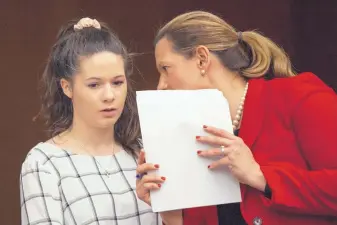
{"type": "Point", "coordinates": [108, 110]}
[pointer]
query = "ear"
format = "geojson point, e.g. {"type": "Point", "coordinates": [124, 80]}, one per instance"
{"type": "Point", "coordinates": [203, 57]}
{"type": "Point", "coordinates": [66, 87]}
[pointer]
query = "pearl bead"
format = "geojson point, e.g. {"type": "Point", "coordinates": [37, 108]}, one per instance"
{"type": "Point", "coordinates": [238, 115]}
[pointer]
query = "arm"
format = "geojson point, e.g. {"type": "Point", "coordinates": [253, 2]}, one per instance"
{"type": "Point", "coordinates": [39, 195]}
{"type": "Point", "coordinates": [301, 191]}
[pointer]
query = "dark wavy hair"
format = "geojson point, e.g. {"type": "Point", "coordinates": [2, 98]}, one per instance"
{"type": "Point", "coordinates": [63, 62]}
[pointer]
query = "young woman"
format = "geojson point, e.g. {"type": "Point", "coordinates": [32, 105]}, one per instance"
{"type": "Point", "coordinates": [284, 149]}
{"type": "Point", "coordinates": [85, 174]}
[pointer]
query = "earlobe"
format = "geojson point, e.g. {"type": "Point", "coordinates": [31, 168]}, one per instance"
{"type": "Point", "coordinates": [66, 88]}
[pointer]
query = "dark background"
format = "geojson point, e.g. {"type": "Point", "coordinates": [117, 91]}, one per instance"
{"type": "Point", "coordinates": [307, 29]}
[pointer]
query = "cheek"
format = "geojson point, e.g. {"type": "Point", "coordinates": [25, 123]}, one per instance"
{"type": "Point", "coordinates": [121, 94]}
{"type": "Point", "coordinates": [83, 96]}
{"type": "Point", "coordinates": [175, 79]}
{"type": "Point", "coordinates": [80, 104]}
{"type": "Point", "coordinates": [183, 78]}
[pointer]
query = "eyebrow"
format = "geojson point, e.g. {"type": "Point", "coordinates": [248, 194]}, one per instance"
{"type": "Point", "coordinates": [161, 63]}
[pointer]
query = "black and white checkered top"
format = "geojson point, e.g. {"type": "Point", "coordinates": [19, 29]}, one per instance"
{"type": "Point", "coordinates": [58, 187]}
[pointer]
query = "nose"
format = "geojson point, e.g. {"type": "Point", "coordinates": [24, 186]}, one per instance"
{"type": "Point", "coordinates": [162, 84]}
{"type": "Point", "coordinates": [109, 93]}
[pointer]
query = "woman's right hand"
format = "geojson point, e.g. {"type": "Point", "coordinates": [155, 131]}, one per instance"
{"type": "Point", "coordinates": [146, 182]}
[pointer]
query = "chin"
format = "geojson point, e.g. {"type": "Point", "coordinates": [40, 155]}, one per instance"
{"type": "Point", "coordinates": [108, 123]}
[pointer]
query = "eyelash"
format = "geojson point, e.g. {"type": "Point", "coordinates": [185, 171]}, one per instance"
{"type": "Point", "coordinates": [95, 85]}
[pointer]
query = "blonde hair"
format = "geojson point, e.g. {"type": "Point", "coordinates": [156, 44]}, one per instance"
{"type": "Point", "coordinates": [250, 53]}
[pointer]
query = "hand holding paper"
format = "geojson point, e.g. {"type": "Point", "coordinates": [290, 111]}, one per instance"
{"type": "Point", "coordinates": [170, 121]}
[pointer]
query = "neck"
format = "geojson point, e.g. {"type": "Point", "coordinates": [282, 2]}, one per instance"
{"type": "Point", "coordinates": [99, 141]}
{"type": "Point", "coordinates": [232, 86]}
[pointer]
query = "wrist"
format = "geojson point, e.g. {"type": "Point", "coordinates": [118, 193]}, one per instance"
{"type": "Point", "coordinates": [257, 180]}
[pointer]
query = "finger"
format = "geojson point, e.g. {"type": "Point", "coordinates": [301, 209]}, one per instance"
{"type": "Point", "coordinates": [225, 161]}
{"type": "Point", "coordinates": [152, 186]}
{"type": "Point", "coordinates": [219, 132]}
{"type": "Point", "coordinates": [213, 152]}
{"type": "Point", "coordinates": [214, 140]}
{"type": "Point", "coordinates": [146, 167]}
{"type": "Point", "coordinates": [153, 179]}
{"type": "Point", "coordinates": [141, 157]}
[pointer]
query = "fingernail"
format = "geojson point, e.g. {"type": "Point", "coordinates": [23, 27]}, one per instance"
{"type": "Point", "coordinates": [156, 166]}
{"type": "Point", "coordinates": [198, 152]}
{"type": "Point", "coordinates": [205, 126]}
{"type": "Point", "coordinates": [159, 185]}
{"type": "Point", "coordinates": [163, 178]}
{"type": "Point", "coordinates": [197, 137]}
{"type": "Point", "coordinates": [209, 166]}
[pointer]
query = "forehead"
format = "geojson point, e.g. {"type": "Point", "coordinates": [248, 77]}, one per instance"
{"type": "Point", "coordinates": [102, 63]}
{"type": "Point", "coordinates": [164, 50]}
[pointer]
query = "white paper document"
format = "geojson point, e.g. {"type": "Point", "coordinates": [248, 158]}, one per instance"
{"type": "Point", "coordinates": [170, 122]}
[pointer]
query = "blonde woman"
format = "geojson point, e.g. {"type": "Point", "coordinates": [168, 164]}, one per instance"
{"type": "Point", "coordinates": [284, 147]}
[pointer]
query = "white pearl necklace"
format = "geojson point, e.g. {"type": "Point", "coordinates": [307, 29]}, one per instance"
{"type": "Point", "coordinates": [238, 116]}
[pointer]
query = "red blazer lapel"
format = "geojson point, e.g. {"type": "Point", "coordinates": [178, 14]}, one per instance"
{"type": "Point", "coordinates": [253, 112]}
{"type": "Point", "coordinates": [252, 119]}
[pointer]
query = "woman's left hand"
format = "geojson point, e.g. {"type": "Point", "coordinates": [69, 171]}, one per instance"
{"type": "Point", "coordinates": [235, 154]}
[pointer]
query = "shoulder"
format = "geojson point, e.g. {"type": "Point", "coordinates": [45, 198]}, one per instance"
{"type": "Point", "coordinates": [41, 156]}
{"type": "Point", "coordinates": [296, 89]}
{"type": "Point", "coordinates": [301, 83]}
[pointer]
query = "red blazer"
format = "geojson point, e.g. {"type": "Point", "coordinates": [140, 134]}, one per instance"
{"type": "Point", "coordinates": [290, 124]}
